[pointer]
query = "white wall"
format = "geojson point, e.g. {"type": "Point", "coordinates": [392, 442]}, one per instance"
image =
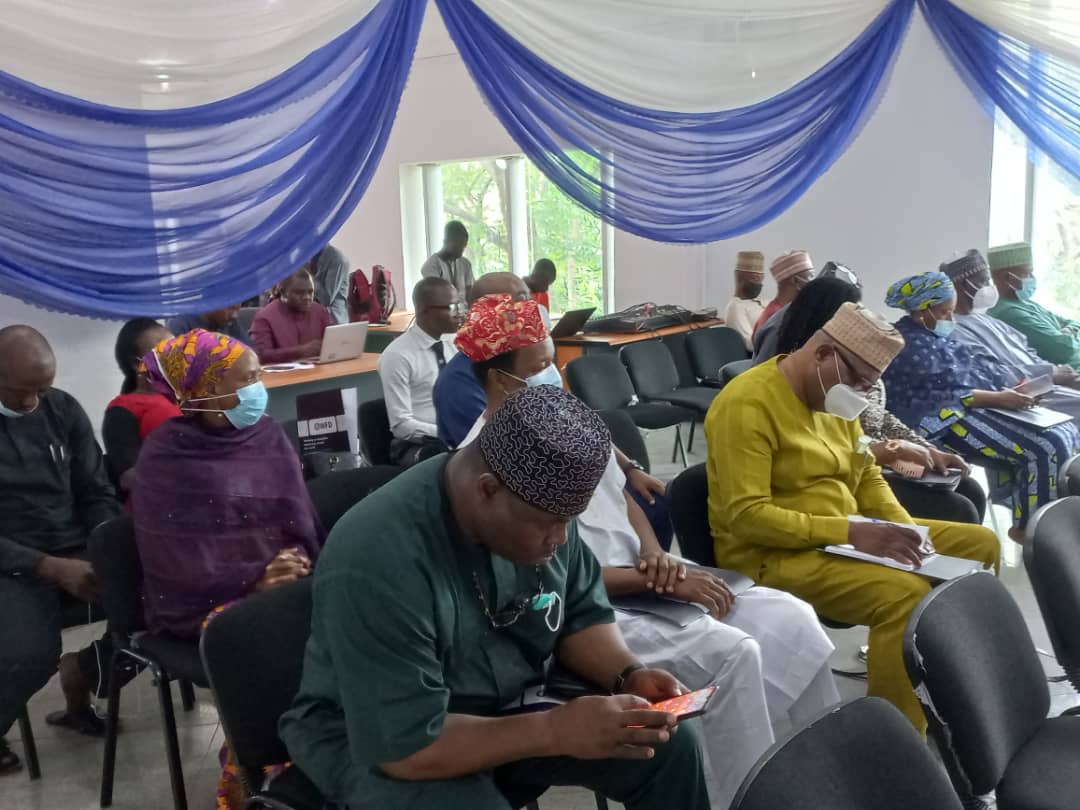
{"type": "Point", "coordinates": [911, 191]}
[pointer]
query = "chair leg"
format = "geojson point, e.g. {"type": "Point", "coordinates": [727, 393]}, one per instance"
{"type": "Point", "coordinates": [187, 695]}
{"type": "Point", "coordinates": [601, 802]}
{"type": "Point", "coordinates": [679, 446]}
{"type": "Point", "coordinates": [172, 744]}
{"type": "Point", "coordinates": [112, 727]}
{"type": "Point", "coordinates": [690, 444]}
{"type": "Point", "coordinates": [26, 731]}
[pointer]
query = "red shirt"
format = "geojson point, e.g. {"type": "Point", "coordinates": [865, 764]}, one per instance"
{"type": "Point", "coordinates": [770, 309]}
{"type": "Point", "coordinates": [278, 332]}
{"type": "Point", "coordinates": [542, 300]}
{"type": "Point", "coordinates": [150, 409]}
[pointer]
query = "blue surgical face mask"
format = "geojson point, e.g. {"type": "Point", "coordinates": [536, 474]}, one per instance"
{"type": "Point", "coordinates": [549, 376]}
{"type": "Point", "coordinates": [944, 328]}
{"type": "Point", "coordinates": [1027, 288]}
{"type": "Point", "coordinates": [253, 401]}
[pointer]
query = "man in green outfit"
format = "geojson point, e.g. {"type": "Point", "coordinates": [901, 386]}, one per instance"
{"type": "Point", "coordinates": [438, 600]}
{"type": "Point", "coordinates": [1054, 338]}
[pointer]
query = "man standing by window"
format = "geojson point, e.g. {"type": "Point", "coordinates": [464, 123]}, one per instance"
{"type": "Point", "coordinates": [450, 262]}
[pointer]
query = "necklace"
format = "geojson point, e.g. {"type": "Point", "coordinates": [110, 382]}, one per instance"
{"type": "Point", "coordinates": [509, 615]}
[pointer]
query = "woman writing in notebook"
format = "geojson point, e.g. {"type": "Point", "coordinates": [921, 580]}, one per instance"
{"type": "Point", "coordinates": [945, 389]}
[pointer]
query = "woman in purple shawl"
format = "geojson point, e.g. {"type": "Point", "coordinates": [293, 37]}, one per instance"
{"type": "Point", "coordinates": [219, 502]}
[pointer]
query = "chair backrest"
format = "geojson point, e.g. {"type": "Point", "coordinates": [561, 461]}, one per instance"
{"type": "Point", "coordinates": [1071, 474]}
{"type": "Point", "coordinates": [970, 658]}
{"type": "Point", "coordinates": [253, 653]}
{"type": "Point", "coordinates": [677, 346]}
{"type": "Point", "coordinates": [375, 435]}
{"type": "Point", "coordinates": [712, 349]}
{"type": "Point", "coordinates": [731, 370]}
{"type": "Point", "coordinates": [1052, 558]}
{"type": "Point", "coordinates": [859, 755]}
{"type": "Point", "coordinates": [337, 492]}
{"type": "Point", "coordinates": [600, 381]}
{"type": "Point", "coordinates": [689, 494]}
{"type": "Point", "coordinates": [626, 436]}
{"type": "Point", "coordinates": [115, 558]}
{"type": "Point", "coordinates": [652, 368]}
{"type": "Point", "coordinates": [290, 426]}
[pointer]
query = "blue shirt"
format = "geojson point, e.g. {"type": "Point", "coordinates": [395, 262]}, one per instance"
{"type": "Point", "coordinates": [182, 324]}
{"type": "Point", "coordinates": [459, 400]}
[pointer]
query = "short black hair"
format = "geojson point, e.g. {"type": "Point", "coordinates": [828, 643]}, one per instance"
{"type": "Point", "coordinates": [545, 266]}
{"type": "Point", "coordinates": [297, 274]}
{"type": "Point", "coordinates": [424, 291]}
{"type": "Point", "coordinates": [127, 349]}
{"type": "Point", "coordinates": [812, 308]}
{"type": "Point", "coordinates": [500, 362]}
{"type": "Point", "coordinates": [455, 228]}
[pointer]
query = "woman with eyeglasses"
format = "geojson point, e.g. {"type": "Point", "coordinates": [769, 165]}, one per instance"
{"type": "Point", "coordinates": [946, 391]}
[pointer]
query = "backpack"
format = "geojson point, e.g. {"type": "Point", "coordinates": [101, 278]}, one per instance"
{"type": "Point", "coordinates": [372, 301]}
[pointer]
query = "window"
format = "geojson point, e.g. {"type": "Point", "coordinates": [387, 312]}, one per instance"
{"type": "Point", "coordinates": [1035, 203]}
{"type": "Point", "coordinates": [514, 215]}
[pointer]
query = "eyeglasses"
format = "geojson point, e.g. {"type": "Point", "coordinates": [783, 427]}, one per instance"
{"type": "Point", "coordinates": [861, 383]}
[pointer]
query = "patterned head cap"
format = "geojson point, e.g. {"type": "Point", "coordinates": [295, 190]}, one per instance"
{"type": "Point", "coordinates": [920, 292]}
{"type": "Point", "coordinates": [969, 264]}
{"type": "Point", "coordinates": [183, 367]}
{"type": "Point", "coordinates": [750, 261]}
{"type": "Point", "coordinates": [865, 334]}
{"type": "Point", "coordinates": [498, 324]}
{"type": "Point", "coordinates": [548, 448]}
{"type": "Point", "coordinates": [1006, 257]}
{"type": "Point", "coordinates": [790, 264]}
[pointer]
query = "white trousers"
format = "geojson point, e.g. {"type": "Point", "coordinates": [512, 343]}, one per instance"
{"type": "Point", "coordinates": [770, 658]}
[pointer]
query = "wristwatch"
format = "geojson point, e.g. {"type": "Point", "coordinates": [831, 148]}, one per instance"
{"type": "Point", "coordinates": [631, 465]}
{"type": "Point", "coordinates": [626, 673]}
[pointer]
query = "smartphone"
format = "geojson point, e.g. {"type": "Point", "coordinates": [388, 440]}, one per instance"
{"type": "Point", "coordinates": [684, 707]}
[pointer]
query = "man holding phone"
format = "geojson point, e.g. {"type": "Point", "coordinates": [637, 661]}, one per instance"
{"type": "Point", "coordinates": [438, 601]}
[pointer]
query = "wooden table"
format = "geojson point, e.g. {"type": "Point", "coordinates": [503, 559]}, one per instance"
{"type": "Point", "coordinates": [570, 348]}
{"type": "Point", "coordinates": [285, 386]}
{"type": "Point", "coordinates": [380, 335]}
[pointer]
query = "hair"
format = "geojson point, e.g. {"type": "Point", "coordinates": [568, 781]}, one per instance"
{"type": "Point", "coordinates": [500, 362]}
{"type": "Point", "coordinates": [127, 349]}
{"type": "Point", "coordinates": [296, 275]}
{"type": "Point", "coordinates": [811, 309]}
{"type": "Point", "coordinates": [545, 266]}
{"type": "Point", "coordinates": [455, 228]}
{"type": "Point", "coordinates": [424, 290]}
{"type": "Point", "coordinates": [496, 283]}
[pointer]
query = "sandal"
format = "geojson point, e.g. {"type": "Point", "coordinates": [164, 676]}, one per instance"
{"type": "Point", "coordinates": [83, 721]}
{"type": "Point", "coordinates": [9, 760]}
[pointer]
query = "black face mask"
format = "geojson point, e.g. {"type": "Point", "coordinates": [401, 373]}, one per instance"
{"type": "Point", "coordinates": [752, 290]}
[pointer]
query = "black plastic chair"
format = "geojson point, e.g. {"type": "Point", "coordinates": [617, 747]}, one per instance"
{"type": "Point", "coordinates": [731, 370]}
{"type": "Point", "coordinates": [72, 614]}
{"type": "Point", "coordinates": [602, 382]}
{"type": "Point", "coordinates": [626, 436]}
{"type": "Point", "coordinates": [711, 349]}
{"type": "Point", "coordinates": [857, 756]}
{"type": "Point", "coordinates": [689, 494]}
{"type": "Point", "coordinates": [119, 572]}
{"type": "Point", "coordinates": [1070, 471]}
{"type": "Point", "coordinates": [375, 435]}
{"type": "Point", "coordinates": [972, 662]}
{"type": "Point", "coordinates": [1052, 559]}
{"type": "Point", "coordinates": [336, 493]}
{"type": "Point", "coordinates": [656, 379]}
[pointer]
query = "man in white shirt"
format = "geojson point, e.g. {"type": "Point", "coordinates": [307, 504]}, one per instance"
{"type": "Point", "coordinates": [450, 262]}
{"type": "Point", "coordinates": [409, 366]}
{"type": "Point", "coordinates": [745, 308]}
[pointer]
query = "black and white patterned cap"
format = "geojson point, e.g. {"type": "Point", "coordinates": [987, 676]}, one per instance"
{"type": "Point", "coordinates": [548, 448]}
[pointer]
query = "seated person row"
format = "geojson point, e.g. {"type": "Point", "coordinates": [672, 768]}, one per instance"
{"type": "Point", "coordinates": [409, 366]}
{"type": "Point", "coordinates": [944, 389]}
{"type": "Point", "coordinates": [1056, 339]}
{"type": "Point", "coordinates": [744, 309]}
{"type": "Point", "coordinates": [764, 649]}
{"type": "Point", "coordinates": [791, 272]}
{"type": "Point", "coordinates": [891, 439]}
{"type": "Point", "coordinates": [291, 326]}
{"type": "Point", "coordinates": [536, 364]}
{"type": "Point", "coordinates": [438, 600]}
{"type": "Point", "coordinates": [139, 408]}
{"type": "Point", "coordinates": [785, 474]}
{"type": "Point", "coordinates": [53, 492]}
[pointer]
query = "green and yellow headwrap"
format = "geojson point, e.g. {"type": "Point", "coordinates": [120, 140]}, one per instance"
{"type": "Point", "coordinates": [920, 292]}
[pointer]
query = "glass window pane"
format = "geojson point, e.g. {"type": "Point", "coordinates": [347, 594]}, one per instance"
{"type": "Point", "coordinates": [569, 235]}
{"type": "Point", "coordinates": [1008, 189]}
{"type": "Point", "coordinates": [475, 193]}
{"type": "Point", "coordinates": [1056, 243]}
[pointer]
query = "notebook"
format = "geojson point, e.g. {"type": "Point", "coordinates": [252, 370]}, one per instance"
{"type": "Point", "coordinates": [934, 566]}
{"type": "Point", "coordinates": [676, 611]}
{"type": "Point", "coordinates": [1036, 416]}
{"type": "Point", "coordinates": [930, 478]}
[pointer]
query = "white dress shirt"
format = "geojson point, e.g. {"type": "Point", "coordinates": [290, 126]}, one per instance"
{"type": "Point", "coordinates": [741, 315]}
{"type": "Point", "coordinates": [408, 368]}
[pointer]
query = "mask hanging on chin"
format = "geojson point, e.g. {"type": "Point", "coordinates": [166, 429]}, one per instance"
{"type": "Point", "coordinates": [841, 399]}
{"type": "Point", "coordinates": [13, 414]}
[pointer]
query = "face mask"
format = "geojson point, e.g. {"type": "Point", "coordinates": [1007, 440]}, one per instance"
{"type": "Point", "coordinates": [842, 400]}
{"type": "Point", "coordinates": [1027, 287]}
{"type": "Point", "coordinates": [752, 291]}
{"type": "Point", "coordinates": [10, 414]}
{"type": "Point", "coordinates": [984, 298]}
{"type": "Point", "coordinates": [549, 376]}
{"type": "Point", "coordinates": [253, 400]}
{"type": "Point", "coordinates": [944, 328]}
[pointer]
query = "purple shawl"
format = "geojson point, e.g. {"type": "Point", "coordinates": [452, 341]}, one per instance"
{"type": "Point", "coordinates": [211, 509]}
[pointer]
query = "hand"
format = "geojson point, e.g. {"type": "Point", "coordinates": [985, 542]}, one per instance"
{"type": "Point", "coordinates": [652, 684]}
{"type": "Point", "coordinates": [943, 462]}
{"type": "Point", "coordinates": [313, 348]}
{"type": "Point", "coordinates": [1012, 400]}
{"type": "Point", "coordinates": [289, 565]}
{"type": "Point", "coordinates": [884, 540]}
{"type": "Point", "coordinates": [603, 728]}
{"type": "Point", "coordinates": [1066, 375]}
{"type": "Point", "coordinates": [915, 453]}
{"type": "Point", "coordinates": [74, 576]}
{"type": "Point", "coordinates": [662, 571]}
{"type": "Point", "coordinates": [645, 485]}
{"type": "Point", "coordinates": [706, 588]}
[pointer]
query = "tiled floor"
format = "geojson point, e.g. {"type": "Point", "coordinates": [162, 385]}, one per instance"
{"type": "Point", "coordinates": [71, 765]}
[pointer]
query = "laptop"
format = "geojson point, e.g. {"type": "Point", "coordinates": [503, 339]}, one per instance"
{"type": "Point", "coordinates": [344, 341]}
{"type": "Point", "coordinates": [572, 322]}
{"type": "Point", "coordinates": [1037, 416]}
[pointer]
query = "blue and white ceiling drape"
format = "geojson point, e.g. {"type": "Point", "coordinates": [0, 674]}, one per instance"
{"type": "Point", "coordinates": [161, 158]}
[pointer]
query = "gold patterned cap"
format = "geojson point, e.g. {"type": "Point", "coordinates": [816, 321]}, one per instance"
{"type": "Point", "coordinates": [865, 334]}
{"type": "Point", "coordinates": [750, 261]}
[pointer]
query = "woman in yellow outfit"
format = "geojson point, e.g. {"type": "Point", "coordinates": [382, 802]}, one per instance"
{"type": "Point", "coordinates": [787, 468]}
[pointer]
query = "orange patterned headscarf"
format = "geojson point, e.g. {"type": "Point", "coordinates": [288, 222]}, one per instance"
{"type": "Point", "coordinates": [183, 367]}
{"type": "Point", "coordinates": [498, 324]}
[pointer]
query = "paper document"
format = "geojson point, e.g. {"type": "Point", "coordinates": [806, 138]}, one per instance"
{"type": "Point", "coordinates": [1036, 386]}
{"type": "Point", "coordinates": [287, 366]}
{"type": "Point", "coordinates": [934, 566]}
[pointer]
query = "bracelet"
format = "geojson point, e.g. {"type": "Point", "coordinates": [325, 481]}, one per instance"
{"type": "Point", "coordinates": [626, 673]}
{"type": "Point", "coordinates": [631, 465]}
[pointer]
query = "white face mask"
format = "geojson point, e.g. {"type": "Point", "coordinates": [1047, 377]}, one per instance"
{"type": "Point", "coordinates": [984, 298]}
{"type": "Point", "coordinates": [842, 400]}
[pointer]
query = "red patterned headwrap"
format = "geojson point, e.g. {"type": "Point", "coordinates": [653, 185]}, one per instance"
{"type": "Point", "coordinates": [498, 324]}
